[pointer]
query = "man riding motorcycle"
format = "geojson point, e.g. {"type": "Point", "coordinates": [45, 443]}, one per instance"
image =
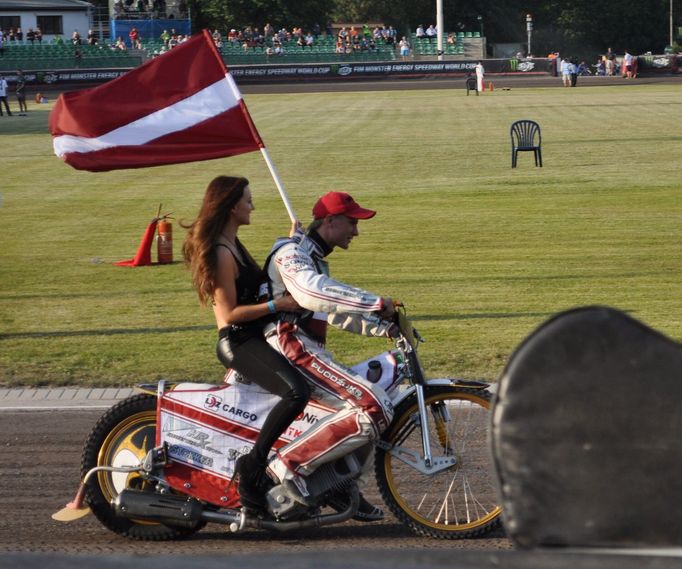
{"type": "Point", "coordinates": [297, 266]}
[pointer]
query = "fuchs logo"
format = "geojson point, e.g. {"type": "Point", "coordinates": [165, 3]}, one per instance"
{"type": "Point", "coordinates": [661, 62]}
{"type": "Point", "coordinates": [526, 66]}
{"type": "Point", "coordinates": [212, 402]}
{"type": "Point", "coordinates": [50, 77]}
{"type": "Point", "coordinates": [345, 70]}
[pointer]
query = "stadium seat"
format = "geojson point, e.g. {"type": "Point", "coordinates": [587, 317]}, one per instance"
{"type": "Point", "coordinates": [526, 137]}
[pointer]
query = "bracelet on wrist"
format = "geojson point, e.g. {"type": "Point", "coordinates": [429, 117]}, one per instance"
{"type": "Point", "coordinates": [271, 307]}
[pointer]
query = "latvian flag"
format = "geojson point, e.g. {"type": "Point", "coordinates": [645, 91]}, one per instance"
{"type": "Point", "coordinates": [182, 106]}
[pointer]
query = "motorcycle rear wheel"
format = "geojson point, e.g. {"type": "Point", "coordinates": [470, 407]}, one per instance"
{"type": "Point", "coordinates": [458, 502]}
{"type": "Point", "coordinates": [122, 437]}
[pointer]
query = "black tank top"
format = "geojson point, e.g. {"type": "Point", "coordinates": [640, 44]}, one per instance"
{"type": "Point", "coordinates": [250, 278]}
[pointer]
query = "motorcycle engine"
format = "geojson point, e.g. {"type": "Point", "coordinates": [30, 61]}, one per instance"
{"type": "Point", "coordinates": [327, 478]}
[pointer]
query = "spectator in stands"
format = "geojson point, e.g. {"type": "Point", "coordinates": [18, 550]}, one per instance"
{"type": "Point", "coordinates": [600, 67]}
{"type": "Point", "coordinates": [232, 35]}
{"type": "Point", "coordinates": [3, 96]}
{"type": "Point", "coordinates": [159, 7]}
{"type": "Point", "coordinates": [340, 47]}
{"type": "Point", "coordinates": [173, 41]}
{"type": "Point", "coordinates": [342, 35]}
{"type": "Point", "coordinates": [2, 44]}
{"type": "Point", "coordinates": [452, 39]}
{"type": "Point", "coordinates": [10, 37]}
{"type": "Point", "coordinates": [58, 40]}
{"type": "Point", "coordinates": [120, 44]}
{"type": "Point", "coordinates": [355, 43]}
{"type": "Point", "coordinates": [164, 37]}
{"type": "Point", "coordinates": [30, 36]}
{"type": "Point", "coordinates": [353, 33]}
{"type": "Point", "coordinates": [216, 36]}
{"type": "Point", "coordinates": [420, 32]}
{"type": "Point", "coordinates": [75, 38]}
{"type": "Point", "coordinates": [92, 37]}
{"type": "Point", "coordinates": [19, 35]}
{"type": "Point", "coordinates": [38, 35]}
{"type": "Point", "coordinates": [316, 31]}
{"type": "Point", "coordinates": [431, 31]}
{"type": "Point", "coordinates": [378, 33]}
{"type": "Point", "coordinates": [132, 35]}
{"type": "Point", "coordinates": [366, 32]}
{"type": "Point", "coordinates": [20, 90]}
{"type": "Point", "coordinates": [278, 49]}
{"type": "Point", "coordinates": [119, 10]}
{"type": "Point", "coordinates": [77, 56]}
{"type": "Point", "coordinates": [268, 31]}
{"type": "Point", "coordinates": [404, 48]}
{"type": "Point", "coordinates": [391, 35]}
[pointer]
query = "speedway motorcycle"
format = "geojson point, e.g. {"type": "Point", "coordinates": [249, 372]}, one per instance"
{"type": "Point", "coordinates": [159, 464]}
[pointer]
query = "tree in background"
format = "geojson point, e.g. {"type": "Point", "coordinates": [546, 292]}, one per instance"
{"type": "Point", "coordinates": [582, 28]}
{"type": "Point", "coordinates": [227, 14]}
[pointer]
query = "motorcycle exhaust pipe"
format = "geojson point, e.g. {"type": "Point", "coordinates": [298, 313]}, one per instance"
{"type": "Point", "coordinates": [168, 509]}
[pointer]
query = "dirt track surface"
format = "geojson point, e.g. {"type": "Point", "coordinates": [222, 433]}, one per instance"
{"type": "Point", "coordinates": [39, 474]}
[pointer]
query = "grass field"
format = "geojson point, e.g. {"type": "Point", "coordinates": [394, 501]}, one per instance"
{"type": "Point", "coordinates": [480, 253]}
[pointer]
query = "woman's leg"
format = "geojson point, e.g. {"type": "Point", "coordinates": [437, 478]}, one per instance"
{"type": "Point", "coordinates": [258, 362]}
{"type": "Point", "coordinates": [261, 364]}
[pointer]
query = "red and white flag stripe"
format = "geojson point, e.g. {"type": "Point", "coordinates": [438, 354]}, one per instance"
{"type": "Point", "coordinates": [182, 106]}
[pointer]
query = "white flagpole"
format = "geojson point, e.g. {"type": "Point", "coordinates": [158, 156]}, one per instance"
{"type": "Point", "coordinates": [264, 151]}
{"type": "Point", "coordinates": [278, 183]}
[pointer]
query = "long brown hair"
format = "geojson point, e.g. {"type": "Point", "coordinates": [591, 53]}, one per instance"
{"type": "Point", "coordinates": [222, 194]}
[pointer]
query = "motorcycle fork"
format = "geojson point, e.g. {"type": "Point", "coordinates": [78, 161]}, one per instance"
{"type": "Point", "coordinates": [424, 419]}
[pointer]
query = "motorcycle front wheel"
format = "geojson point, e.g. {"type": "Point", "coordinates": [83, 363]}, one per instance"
{"type": "Point", "coordinates": [122, 437]}
{"type": "Point", "coordinates": [457, 502]}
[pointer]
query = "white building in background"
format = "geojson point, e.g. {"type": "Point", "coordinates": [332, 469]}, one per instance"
{"type": "Point", "coordinates": [53, 17]}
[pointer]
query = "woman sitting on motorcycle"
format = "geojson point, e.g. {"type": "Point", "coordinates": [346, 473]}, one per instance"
{"type": "Point", "coordinates": [224, 273]}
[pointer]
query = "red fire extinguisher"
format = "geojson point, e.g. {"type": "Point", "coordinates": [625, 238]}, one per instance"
{"type": "Point", "coordinates": [164, 239]}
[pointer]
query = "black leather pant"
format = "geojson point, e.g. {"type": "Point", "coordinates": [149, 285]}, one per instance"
{"type": "Point", "coordinates": [252, 357]}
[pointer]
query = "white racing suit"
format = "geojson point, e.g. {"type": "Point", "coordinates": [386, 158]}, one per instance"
{"type": "Point", "coordinates": [363, 410]}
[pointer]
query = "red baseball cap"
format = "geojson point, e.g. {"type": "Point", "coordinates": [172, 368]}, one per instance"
{"type": "Point", "coordinates": [340, 203]}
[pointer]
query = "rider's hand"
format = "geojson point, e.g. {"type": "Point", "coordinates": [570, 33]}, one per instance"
{"type": "Point", "coordinates": [287, 304]}
{"type": "Point", "coordinates": [387, 312]}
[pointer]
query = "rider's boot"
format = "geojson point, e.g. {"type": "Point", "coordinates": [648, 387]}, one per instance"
{"type": "Point", "coordinates": [366, 511]}
{"type": "Point", "coordinates": [253, 482]}
{"type": "Point", "coordinates": [293, 483]}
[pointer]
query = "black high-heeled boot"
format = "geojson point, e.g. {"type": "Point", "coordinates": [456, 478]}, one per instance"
{"type": "Point", "coordinates": [253, 482]}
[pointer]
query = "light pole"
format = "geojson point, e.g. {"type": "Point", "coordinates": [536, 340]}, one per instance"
{"type": "Point", "coordinates": [671, 23]}
{"type": "Point", "coordinates": [480, 23]}
{"type": "Point", "coordinates": [439, 29]}
{"type": "Point", "coordinates": [529, 29]}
